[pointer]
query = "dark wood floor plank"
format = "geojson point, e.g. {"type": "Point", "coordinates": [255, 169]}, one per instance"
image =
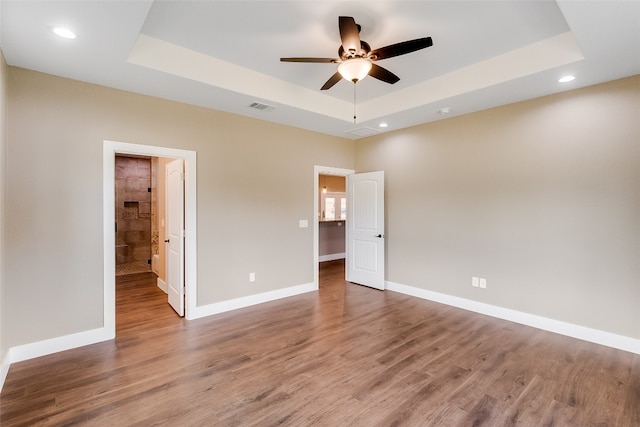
{"type": "Point", "coordinates": [345, 355]}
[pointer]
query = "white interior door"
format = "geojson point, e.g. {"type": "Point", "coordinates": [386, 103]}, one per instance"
{"type": "Point", "coordinates": [365, 229]}
{"type": "Point", "coordinates": [175, 235]}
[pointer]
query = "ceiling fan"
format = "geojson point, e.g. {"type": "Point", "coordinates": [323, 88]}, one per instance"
{"type": "Point", "coordinates": [356, 58]}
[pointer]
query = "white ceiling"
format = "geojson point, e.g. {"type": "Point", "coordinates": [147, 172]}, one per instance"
{"type": "Point", "coordinates": [225, 54]}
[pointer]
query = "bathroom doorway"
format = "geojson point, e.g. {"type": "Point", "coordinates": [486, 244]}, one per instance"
{"type": "Point", "coordinates": [136, 213]}
{"type": "Point", "coordinates": [188, 267]}
{"type": "Point", "coordinates": [146, 203]}
{"type": "Point", "coordinates": [140, 213]}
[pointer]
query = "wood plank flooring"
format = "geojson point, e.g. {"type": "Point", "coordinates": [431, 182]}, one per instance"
{"type": "Point", "coordinates": [343, 356]}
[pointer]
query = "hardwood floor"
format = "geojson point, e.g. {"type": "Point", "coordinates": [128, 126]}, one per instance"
{"type": "Point", "coordinates": [345, 355]}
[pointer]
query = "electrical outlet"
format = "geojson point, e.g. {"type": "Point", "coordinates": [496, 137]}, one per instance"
{"type": "Point", "coordinates": [475, 282]}
{"type": "Point", "coordinates": [252, 277]}
{"type": "Point", "coordinates": [483, 283]}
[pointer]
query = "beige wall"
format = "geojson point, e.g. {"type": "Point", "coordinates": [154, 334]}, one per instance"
{"type": "Point", "coordinates": [541, 198]}
{"type": "Point", "coordinates": [254, 183]}
{"type": "Point", "coordinates": [3, 180]}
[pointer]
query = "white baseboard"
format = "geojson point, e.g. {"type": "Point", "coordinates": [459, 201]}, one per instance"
{"type": "Point", "coordinates": [597, 336]}
{"type": "Point", "coordinates": [234, 304]}
{"type": "Point", "coordinates": [162, 285]}
{"type": "Point", "coordinates": [50, 346]}
{"type": "Point", "coordinates": [5, 363]}
{"type": "Point", "coordinates": [332, 257]}
{"type": "Point", "coordinates": [54, 345]}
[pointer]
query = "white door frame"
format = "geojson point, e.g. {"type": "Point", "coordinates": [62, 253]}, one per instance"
{"type": "Point", "coordinates": [110, 149]}
{"type": "Point", "coordinates": [317, 171]}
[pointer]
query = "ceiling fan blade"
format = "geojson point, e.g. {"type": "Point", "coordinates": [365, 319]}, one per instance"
{"type": "Point", "coordinates": [400, 48]}
{"type": "Point", "coordinates": [315, 60]}
{"type": "Point", "coordinates": [349, 34]}
{"type": "Point", "coordinates": [332, 81]}
{"type": "Point", "coordinates": [383, 74]}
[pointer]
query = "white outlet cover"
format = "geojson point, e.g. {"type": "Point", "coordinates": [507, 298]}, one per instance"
{"type": "Point", "coordinates": [252, 277]}
{"type": "Point", "coordinates": [304, 223]}
{"type": "Point", "coordinates": [483, 283]}
{"type": "Point", "coordinates": [474, 282]}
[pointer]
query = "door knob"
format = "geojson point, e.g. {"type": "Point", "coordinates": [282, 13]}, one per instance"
{"type": "Point", "coordinates": [166, 241]}
{"type": "Point", "coordinates": [380, 236]}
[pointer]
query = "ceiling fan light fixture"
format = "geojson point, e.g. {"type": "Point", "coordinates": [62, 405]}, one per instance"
{"type": "Point", "coordinates": [354, 69]}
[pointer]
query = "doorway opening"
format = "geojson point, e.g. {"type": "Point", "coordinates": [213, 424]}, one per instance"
{"type": "Point", "coordinates": [112, 150]}
{"type": "Point", "coordinates": [141, 206]}
{"type": "Point", "coordinates": [136, 213]}
{"type": "Point", "coordinates": [330, 216]}
{"type": "Point", "coordinates": [332, 240]}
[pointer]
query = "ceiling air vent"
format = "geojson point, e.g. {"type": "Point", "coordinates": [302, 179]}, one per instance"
{"type": "Point", "coordinates": [364, 131]}
{"type": "Point", "coordinates": [262, 107]}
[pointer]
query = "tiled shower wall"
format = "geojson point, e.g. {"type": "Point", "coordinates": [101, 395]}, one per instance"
{"type": "Point", "coordinates": [133, 210]}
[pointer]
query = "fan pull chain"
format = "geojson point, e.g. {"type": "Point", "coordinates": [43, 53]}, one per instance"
{"type": "Point", "coordinates": [354, 101]}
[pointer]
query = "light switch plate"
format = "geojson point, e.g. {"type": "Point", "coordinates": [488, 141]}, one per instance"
{"type": "Point", "coordinates": [304, 223]}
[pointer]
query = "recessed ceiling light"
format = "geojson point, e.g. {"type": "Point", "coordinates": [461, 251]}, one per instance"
{"type": "Point", "coordinates": [566, 79]}
{"type": "Point", "coordinates": [64, 33]}
{"type": "Point", "coordinates": [445, 110]}
{"type": "Point", "coordinates": [383, 125]}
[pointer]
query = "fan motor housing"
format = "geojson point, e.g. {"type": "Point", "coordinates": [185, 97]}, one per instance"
{"type": "Point", "coordinates": [364, 47]}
